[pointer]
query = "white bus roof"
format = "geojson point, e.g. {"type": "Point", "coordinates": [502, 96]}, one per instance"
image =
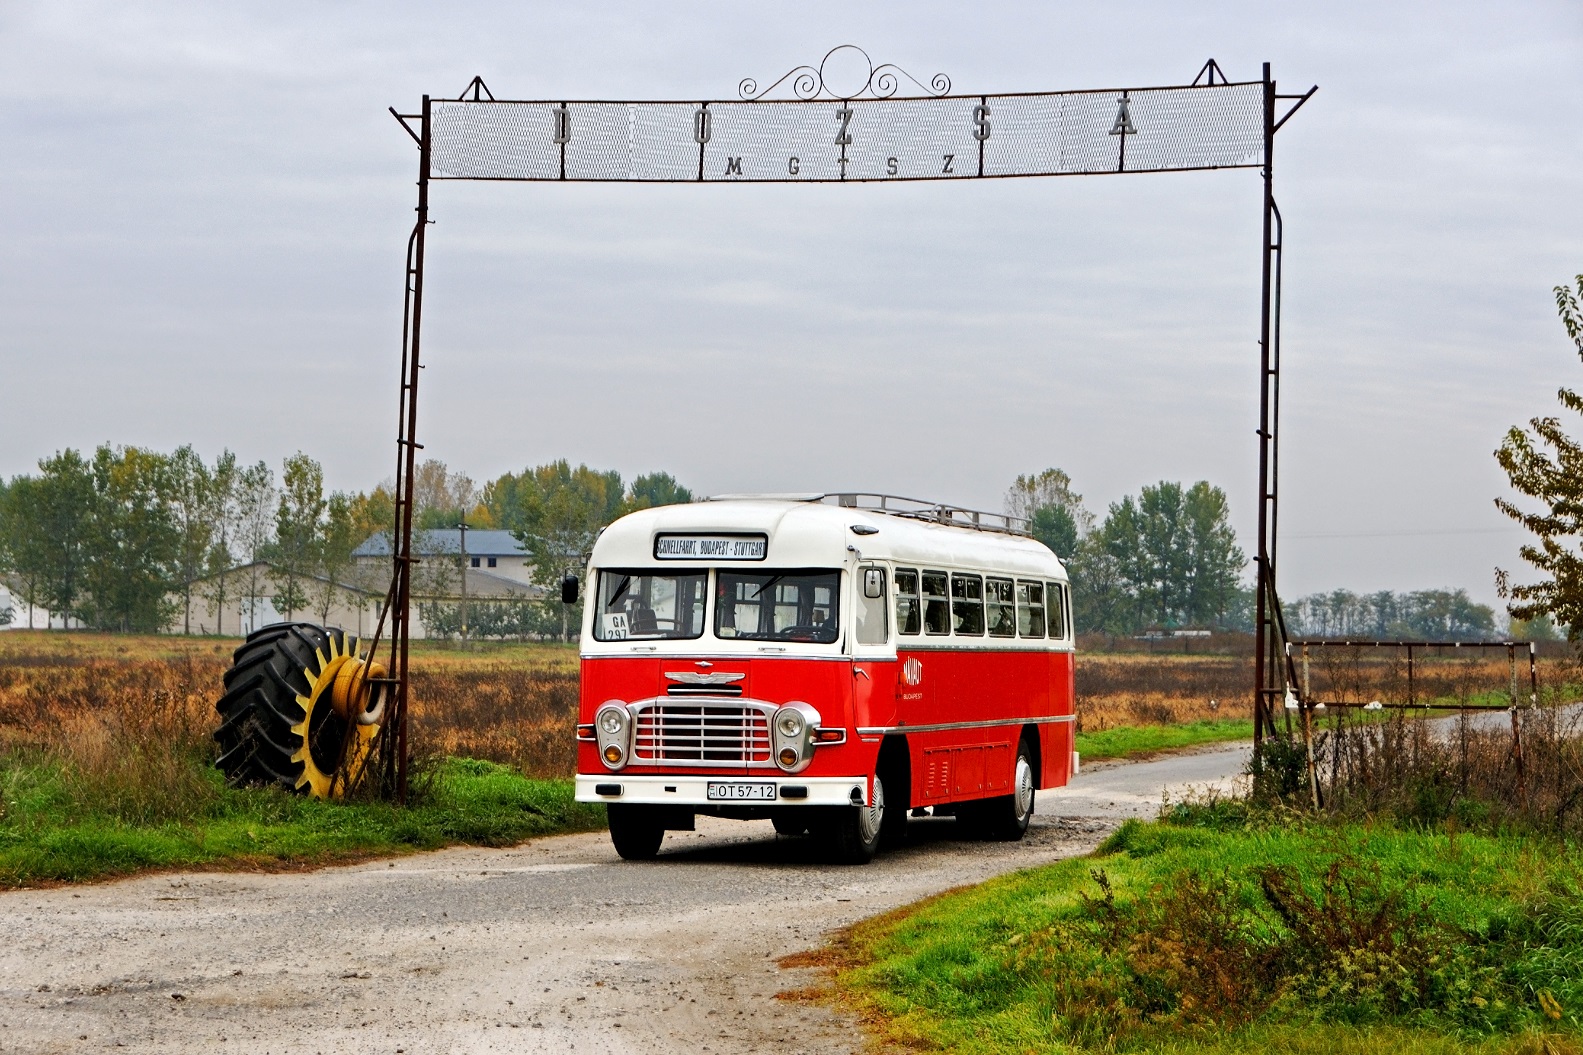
{"type": "Point", "coordinates": [803, 533]}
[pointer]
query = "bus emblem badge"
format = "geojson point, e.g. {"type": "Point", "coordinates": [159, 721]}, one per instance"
{"type": "Point", "coordinates": [912, 671]}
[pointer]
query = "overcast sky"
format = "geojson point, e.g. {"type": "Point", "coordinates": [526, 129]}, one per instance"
{"type": "Point", "coordinates": [205, 207]}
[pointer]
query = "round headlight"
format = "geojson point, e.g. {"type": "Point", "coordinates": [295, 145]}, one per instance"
{"type": "Point", "coordinates": [788, 757]}
{"type": "Point", "coordinates": [610, 722]}
{"type": "Point", "coordinates": [612, 754]}
{"type": "Point", "coordinates": [790, 724]}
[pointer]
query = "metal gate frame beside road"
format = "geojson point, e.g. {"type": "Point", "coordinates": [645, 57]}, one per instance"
{"type": "Point", "coordinates": [858, 131]}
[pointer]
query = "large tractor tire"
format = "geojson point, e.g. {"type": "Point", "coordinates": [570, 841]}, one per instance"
{"type": "Point", "coordinates": [299, 711]}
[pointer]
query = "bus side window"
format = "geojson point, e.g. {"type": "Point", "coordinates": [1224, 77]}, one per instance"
{"type": "Point", "coordinates": [871, 610]}
{"type": "Point", "coordinates": [1002, 612]}
{"type": "Point", "coordinates": [967, 605]}
{"type": "Point", "coordinates": [1030, 609]}
{"type": "Point", "coordinates": [936, 604]}
{"type": "Point", "coordinates": [1057, 611]}
{"type": "Point", "coordinates": [909, 614]}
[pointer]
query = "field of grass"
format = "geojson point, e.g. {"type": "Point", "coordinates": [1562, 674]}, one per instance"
{"type": "Point", "coordinates": [1220, 933]}
{"type": "Point", "coordinates": [1131, 741]}
{"type": "Point", "coordinates": [121, 725]}
{"type": "Point", "coordinates": [55, 827]}
{"type": "Point", "coordinates": [106, 761]}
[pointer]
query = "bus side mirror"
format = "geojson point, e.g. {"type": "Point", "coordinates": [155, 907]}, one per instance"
{"type": "Point", "coordinates": [873, 583]}
{"type": "Point", "coordinates": [569, 590]}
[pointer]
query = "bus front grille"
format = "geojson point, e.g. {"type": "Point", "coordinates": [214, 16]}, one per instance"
{"type": "Point", "coordinates": [702, 734]}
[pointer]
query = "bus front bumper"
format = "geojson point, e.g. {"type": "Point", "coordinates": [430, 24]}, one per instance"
{"type": "Point", "coordinates": [696, 790]}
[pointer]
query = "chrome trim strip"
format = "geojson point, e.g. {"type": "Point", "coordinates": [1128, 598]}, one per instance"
{"type": "Point", "coordinates": [693, 677]}
{"type": "Point", "coordinates": [942, 643]}
{"type": "Point", "coordinates": [724, 657]}
{"type": "Point", "coordinates": [711, 691]}
{"type": "Point", "coordinates": [691, 789]}
{"type": "Point", "coordinates": [880, 730]}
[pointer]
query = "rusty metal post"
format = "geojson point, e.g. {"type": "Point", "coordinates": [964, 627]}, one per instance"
{"type": "Point", "coordinates": [1517, 756]}
{"type": "Point", "coordinates": [1411, 697]}
{"type": "Point", "coordinates": [1263, 665]}
{"type": "Point", "coordinates": [1533, 676]}
{"type": "Point", "coordinates": [1517, 724]}
{"type": "Point", "coordinates": [407, 447]}
{"type": "Point", "coordinates": [1308, 748]}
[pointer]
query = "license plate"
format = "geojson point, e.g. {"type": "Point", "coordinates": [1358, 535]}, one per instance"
{"type": "Point", "coordinates": [736, 791]}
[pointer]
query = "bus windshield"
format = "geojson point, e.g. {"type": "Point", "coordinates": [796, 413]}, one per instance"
{"type": "Point", "coordinates": [777, 606]}
{"type": "Point", "coordinates": [637, 604]}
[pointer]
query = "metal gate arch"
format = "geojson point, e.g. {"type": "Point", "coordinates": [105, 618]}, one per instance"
{"type": "Point", "coordinates": [858, 132]}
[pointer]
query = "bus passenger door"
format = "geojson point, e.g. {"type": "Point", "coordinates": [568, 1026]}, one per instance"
{"type": "Point", "coordinates": [873, 655]}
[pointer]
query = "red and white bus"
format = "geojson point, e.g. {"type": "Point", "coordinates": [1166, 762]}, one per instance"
{"type": "Point", "coordinates": [829, 662]}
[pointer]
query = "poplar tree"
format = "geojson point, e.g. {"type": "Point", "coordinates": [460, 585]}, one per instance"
{"type": "Point", "coordinates": [299, 521]}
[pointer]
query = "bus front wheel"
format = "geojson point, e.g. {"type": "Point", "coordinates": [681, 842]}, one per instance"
{"type": "Point", "coordinates": [790, 821]}
{"type": "Point", "coordinates": [852, 832]}
{"type": "Point", "coordinates": [636, 831]}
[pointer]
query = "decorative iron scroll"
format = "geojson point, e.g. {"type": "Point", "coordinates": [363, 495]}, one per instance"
{"type": "Point", "coordinates": [1202, 126]}
{"type": "Point", "coordinates": [880, 82]}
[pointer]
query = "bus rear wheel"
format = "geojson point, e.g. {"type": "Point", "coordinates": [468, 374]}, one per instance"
{"type": "Point", "coordinates": [636, 831]}
{"type": "Point", "coordinates": [1006, 818]}
{"type": "Point", "coordinates": [852, 833]}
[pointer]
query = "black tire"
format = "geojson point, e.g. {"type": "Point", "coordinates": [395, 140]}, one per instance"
{"type": "Point", "coordinates": [636, 831]}
{"type": "Point", "coordinates": [790, 821]}
{"type": "Point", "coordinates": [851, 834]}
{"type": "Point", "coordinates": [893, 823]}
{"type": "Point", "coordinates": [1006, 818]}
{"type": "Point", "coordinates": [264, 726]}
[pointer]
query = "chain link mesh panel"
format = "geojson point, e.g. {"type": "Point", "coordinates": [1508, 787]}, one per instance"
{"type": "Point", "coordinates": [955, 137]}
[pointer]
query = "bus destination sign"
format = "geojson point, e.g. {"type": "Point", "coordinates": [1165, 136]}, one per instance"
{"type": "Point", "coordinates": [709, 547]}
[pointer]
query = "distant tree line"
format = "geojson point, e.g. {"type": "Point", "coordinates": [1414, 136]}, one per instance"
{"type": "Point", "coordinates": [555, 511]}
{"type": "Point", "coordinates": [1167, 558]}
{"type": "Point", "coordinates": [1423, 615]}
{"type": "Point", "coordinates": [132, 539]}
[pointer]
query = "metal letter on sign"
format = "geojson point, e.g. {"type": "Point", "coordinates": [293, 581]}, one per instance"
{"type": "Point", "coordinates": [981, 122]}
{"type": "Point", "coordinates": [563, 125]}
{"type": "Point", "coordinates": [1123, 124]}
{"type": "Point", "coordinates": [844, 137]}
{"type": "Point", "coordinates": [701, 126]}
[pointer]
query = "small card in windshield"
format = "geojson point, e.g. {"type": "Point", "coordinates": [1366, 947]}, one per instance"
{"type": "Point", "coordinates": [709, 547]}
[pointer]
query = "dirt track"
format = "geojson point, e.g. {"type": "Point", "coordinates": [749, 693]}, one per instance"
{"type": "Point", "coordinates": [556, 946]}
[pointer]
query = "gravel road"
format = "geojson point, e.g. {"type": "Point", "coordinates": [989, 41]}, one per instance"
{"type": "Point", "coordinates": [554, 946]}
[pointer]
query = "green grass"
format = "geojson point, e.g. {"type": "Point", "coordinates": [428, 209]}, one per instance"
{"type": "Point", "coordinates": [50, 831]}
{"type": "Point", "coordinates": [1035, 961]}
{"type": "Point", "coordinates": [1129, 740]}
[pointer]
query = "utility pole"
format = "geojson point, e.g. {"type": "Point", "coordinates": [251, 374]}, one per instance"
{"type": "Point", "coordinates": [464, 582]}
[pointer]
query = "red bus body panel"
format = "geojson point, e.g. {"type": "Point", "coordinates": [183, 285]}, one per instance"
{"type": "Point", "coordinates": [871, 699]}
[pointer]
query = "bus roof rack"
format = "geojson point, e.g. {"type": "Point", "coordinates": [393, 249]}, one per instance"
{"type": "Point", "coordinates": [899, 506]}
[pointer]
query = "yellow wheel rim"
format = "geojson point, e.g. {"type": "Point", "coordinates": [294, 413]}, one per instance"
{"type": "Point", "coordinates": [320, 781]}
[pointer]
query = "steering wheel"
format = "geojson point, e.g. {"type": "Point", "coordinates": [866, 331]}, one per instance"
{"type": "Point", "coordinates": [806, 632]}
